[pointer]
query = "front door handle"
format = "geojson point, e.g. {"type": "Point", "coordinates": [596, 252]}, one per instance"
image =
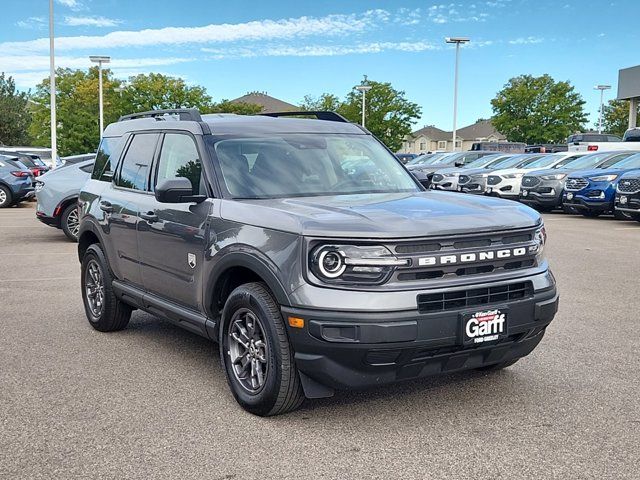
{"type": "Point", "coordinates": [106, 206]}
{"type": "Point", "coordinates": [149, 216]}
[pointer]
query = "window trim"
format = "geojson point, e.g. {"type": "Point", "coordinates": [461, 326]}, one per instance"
{"type": "Point", "coordinates": [156, 160]}
{"type": "Point", "coordinates": [125, 150]}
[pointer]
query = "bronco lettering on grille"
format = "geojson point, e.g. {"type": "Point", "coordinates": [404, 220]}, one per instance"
{"type": "Point", "coordinates": [471, 257]}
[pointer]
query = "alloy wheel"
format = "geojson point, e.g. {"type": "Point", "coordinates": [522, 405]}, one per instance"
{"type": "Point", "coordinates": [94, 288]}
{"type": "Point", "coordinates": [3, 197]}
{"type": "Point", "coordinates": [72, 222]}
{"type": "Point", "coordinates": [248, 350]}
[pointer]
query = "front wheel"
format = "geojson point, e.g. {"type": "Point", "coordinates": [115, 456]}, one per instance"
{"type": "Point", "coordinates": [256, 354]}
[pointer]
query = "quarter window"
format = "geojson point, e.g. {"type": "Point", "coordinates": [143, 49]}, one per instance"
{"type": "Point", "coordinates": [179, 158]}
{"type": "Point", "coordinates": [134, 171]}
{"type": "Point", "coordinates": [105, 162]}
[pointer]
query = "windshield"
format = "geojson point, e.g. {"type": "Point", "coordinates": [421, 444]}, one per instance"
{"type": "Point", "coordinates": [630, 162]}
{"type": "Point", "coordinates": [546, 160]}
{"type": "Point", "coordinates": [590, 161]}
{"type": "Point", "coordinates": [293, 165]}
{"type": "Point", "coordinates": [485, 161]}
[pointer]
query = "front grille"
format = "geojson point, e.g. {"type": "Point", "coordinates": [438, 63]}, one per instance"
{"type": "Point", "coordinates": [530, 181]}
{"type": "Point", "coordinates": [475, 297]}
{"type": "Point", "coordinates": [494, 180]}
{"type": "Point", "coordinates": [437, 178]}
{"type": "Point", "coordinates": [462, 179]}
{"type": "Point", "coordinates": [629, 185]}
{"type": "Point", "coordinates": [575, 184]}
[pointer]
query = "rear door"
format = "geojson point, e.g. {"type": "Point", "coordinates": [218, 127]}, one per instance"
{"type": "Point", "coordinates": [172, 236]}
{"type": "Point", "coordinates": [120, 202]}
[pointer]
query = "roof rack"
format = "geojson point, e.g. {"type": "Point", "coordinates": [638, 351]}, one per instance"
{"type": "Point", "coordinates": [192, 114]}
{"type": "Point", "coordinates": [319, 114]}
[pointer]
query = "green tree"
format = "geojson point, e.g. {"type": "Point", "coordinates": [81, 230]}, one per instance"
{"type": "Point", "coordinates": [538, 110]}
{"type": "Point", "coordinates": [156, 91]}
{"type": "Point", "coordinates": [326, 102]}
{"type": "Point", "coordinates": [14, 113]}
{"type": "Point", "coordinates": [615, 117]}
{"type": "Point", "coordinates": [76, 110]}
{"type": "Point", "coordinates": [389, 115]}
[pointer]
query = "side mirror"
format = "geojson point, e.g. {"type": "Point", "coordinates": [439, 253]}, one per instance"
{"type": "Point", "coordinates": [176, 190]}
{"type": "Point", "coordinates": [459, 164]}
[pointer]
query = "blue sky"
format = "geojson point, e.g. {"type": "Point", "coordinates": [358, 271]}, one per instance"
{"type": "Point", "coordinates": [293, 48]}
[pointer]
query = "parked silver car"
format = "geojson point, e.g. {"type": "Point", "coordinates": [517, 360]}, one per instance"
{"type": "Point", "coordinates": [57, 194]}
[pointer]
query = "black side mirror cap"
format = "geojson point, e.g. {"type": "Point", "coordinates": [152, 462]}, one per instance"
{"type": "Point", "coordinates": [177, 190]}
{"type": "Point", "coordinates": [459, 164]}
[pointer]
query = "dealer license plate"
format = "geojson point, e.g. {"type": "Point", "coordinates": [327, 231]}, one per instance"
{"type": "Point", "coordinates": [483, 326]}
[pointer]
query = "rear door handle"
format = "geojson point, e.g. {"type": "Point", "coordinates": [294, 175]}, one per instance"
{"type": "Point", "coordinates": [149, 216]}
{"type": "Point", "coordinates": [106, 206]}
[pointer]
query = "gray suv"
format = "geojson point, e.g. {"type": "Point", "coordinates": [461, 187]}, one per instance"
{"type": "Point", "coordinates": [308, 252]}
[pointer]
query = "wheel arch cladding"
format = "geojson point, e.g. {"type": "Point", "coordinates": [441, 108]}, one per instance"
{"type": "Point", "coordinates": [234, 270]}
{"type": "Point", "coordinates": [87, 237]}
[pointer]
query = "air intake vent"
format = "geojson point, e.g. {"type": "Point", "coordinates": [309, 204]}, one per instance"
{"type": "Point", "coordinates": [437, 302]}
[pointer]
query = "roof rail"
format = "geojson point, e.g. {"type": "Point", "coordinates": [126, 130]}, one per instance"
{"type": "Point", "coordinates": [319, 114]}
{"type": "Point", "coordinates": [192, 114]}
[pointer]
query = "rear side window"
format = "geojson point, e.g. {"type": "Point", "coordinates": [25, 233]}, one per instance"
{"type": "Point", "coordinates": [134, 169]}
{"type": "Point", "coordinates": [179, 158]}
{"type": "Point", "coordinates": [105, 162]}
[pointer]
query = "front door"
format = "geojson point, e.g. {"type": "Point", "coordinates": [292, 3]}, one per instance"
{"type": "Point", "coordinates": [121, 204]}
{"type": "Point", "coordinates": [172, 236]}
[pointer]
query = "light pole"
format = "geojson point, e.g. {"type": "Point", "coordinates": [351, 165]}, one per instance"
{"type": "Point", "coordinates": [457, 41]}
{"type": "Point", "coordinates": [364, 89]}
{"type": "Point", "coordinates": [100, 60]}
{"type": "Point", "coordinates": [52, 90]}
{"type": "Point", "coordinates": [602, 88]}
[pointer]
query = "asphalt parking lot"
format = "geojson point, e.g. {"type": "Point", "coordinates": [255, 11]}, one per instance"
{"type": "Point", "coordinates": [152, 402]}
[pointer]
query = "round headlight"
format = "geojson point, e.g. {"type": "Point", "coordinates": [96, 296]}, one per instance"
{"type": "Point", "coordinates": [331, 263]}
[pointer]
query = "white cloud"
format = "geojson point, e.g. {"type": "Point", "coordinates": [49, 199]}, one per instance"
{"type": "Point", "coordinates": [32, 23]}
{"type": "Point", "coordinates": [74, 21]}
{"type": "Point", "coordinates": [260, 30]}
{"type": "Point", "coordinates": [73, 4]}
{"type": "Point", "coordinates": [526, 41]}
{"type": "Point", "coordinates": [319, 50]}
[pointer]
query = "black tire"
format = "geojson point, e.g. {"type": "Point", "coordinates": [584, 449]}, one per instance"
{"type": "Point", "coordinates": [591, 213]}
{"type": "Point", "coordinates": [6, 198]}
{"type": "Point", "coordinates": [69, 222]}
{"type": "Point", "coordinates": [636, 216]}
{"type": "Point", "coordinates": [113, 314]}
{"type": "Point", "coordinates": [281, 390]}
{"type": "Point", "coordinates": [498, 366]}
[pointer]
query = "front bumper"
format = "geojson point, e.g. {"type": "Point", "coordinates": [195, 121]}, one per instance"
{"type": "Point", "coordinates": [507, 188]}
{"type": "Point", "coordinates": [580, 201]}
{"type": "Point", "coordinates": [630, 205]}
{"type": "Point", "coordinates": [547, 193]}
{"type": "Point", "coordinates": [342, 350]}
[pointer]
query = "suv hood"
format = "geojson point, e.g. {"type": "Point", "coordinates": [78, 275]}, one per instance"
{"type": "Point", "coordinates": [598, 172]}
{"type": "Point", "coordinates": [396, 215]}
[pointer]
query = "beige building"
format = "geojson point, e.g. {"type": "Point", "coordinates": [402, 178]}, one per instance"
{"type": "Point", "coordinates": [432, 139]}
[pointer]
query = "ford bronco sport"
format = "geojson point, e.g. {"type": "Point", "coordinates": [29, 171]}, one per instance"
{"type": "Point", "coordinates": [308, 252]}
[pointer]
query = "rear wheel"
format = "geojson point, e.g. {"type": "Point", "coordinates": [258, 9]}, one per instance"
{"type": "Point", "coordinates": [256, 354]}
{"type": "Point", "coordinates": [103, 309]}
{"type": "Point", "coordinates": [5, 196]}
{"type": "Point", "coordinates": [70, 222]}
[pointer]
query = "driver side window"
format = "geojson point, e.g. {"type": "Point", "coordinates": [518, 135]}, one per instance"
{"type": "Point", "coordinates": [179, 158]}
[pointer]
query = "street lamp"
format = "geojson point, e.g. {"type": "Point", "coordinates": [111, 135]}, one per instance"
{"type": "Point", "coordinates": [602, 88]}
{"type": "Point", "coordinates": [52, 90]}
{"type": "Point", "coordinates": [100, 60]}
{"type": "Point", "coordinates": [457, 41]}
{"type": "Point", "coordinates": [364, 89]}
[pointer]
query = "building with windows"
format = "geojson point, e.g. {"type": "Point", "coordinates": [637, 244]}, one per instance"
{"type": "Point", "coordinates": [432, 139]}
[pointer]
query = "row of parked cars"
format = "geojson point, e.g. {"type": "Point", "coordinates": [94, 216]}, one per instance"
{"type": "Point", "coordinates": [590, 183]}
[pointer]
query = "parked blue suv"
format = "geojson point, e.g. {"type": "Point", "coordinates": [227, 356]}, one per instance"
{"type": "Point", "coordinates": [592, 192]}
{"type": "Point", "coordinates": [15, 181]}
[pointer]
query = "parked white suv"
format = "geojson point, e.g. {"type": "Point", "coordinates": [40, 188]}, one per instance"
{"type": "Point", "coordinates": [506, 183]}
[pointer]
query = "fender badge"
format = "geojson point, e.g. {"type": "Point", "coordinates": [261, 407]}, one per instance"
{"type": "Point", "coordinates": [191, 260]}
